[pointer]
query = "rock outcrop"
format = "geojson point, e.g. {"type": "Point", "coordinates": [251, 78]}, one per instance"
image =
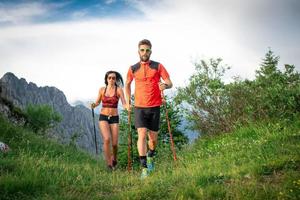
{"type": "Point", "coordinates": [77, 123]}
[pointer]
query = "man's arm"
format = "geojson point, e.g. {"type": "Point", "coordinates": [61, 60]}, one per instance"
{"type": "Point", "coordinates": [166, 85]}
{"type": "Point", "coordinates": [165, 76]}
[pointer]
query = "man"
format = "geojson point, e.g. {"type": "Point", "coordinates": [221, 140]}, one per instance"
{"type": "Point", "coordinates": [147, 100]}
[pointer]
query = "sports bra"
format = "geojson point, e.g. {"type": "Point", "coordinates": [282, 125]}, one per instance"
{"type": "Point", "coordinates": [110, 102]}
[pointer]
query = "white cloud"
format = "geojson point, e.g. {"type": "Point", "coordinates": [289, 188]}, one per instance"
{"type": "Point", "coordinates": [79, 14]}
{"type": "Point", "coordinates": [109, 1]}
{"type": "Point", "coordinates": [26, 12]}
{"type": "Point", "coordinates": [75, 56]}
{"type": "Point", "coordinates": [21, 12]}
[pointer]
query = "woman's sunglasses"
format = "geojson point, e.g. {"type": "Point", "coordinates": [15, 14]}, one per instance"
{"type": "Point", "coordinates": [111, 77]}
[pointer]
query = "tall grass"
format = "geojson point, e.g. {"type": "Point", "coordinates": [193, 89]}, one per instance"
{"type": "Point", "coordinates": [260, 161]}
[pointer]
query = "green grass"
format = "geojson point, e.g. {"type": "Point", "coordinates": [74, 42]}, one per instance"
{"type": "Point", "coordinates": [260, 161]}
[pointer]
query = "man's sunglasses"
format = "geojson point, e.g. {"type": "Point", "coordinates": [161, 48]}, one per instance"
{"type": "Point", "coordinates": [147, 50]}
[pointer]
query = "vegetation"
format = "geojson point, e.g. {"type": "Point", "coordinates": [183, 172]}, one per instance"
{"type": "Point", "coordinates": [37, 117]}
{"type": "Point", "coordinates": [257, 158]}
{"type": "Point", "coordinates": [41, 117]}
{"type": "Point", "coordinates": [16, 112]}
{"type": "Point", "coordinates": [260, 161]}
{"type": "Point", "coordinates": [215, 107]}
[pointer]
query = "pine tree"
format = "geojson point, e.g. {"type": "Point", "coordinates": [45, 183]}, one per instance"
{"type": "Point", "coordinates": [268, 66]}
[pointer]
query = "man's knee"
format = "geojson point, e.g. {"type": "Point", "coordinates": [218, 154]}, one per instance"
{"type": "Point", "coordinates": [153, 135]}
{"type": "Point", "coordinates": [142, 132]}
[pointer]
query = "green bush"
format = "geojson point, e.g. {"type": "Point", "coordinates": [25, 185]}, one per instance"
{"type": "Point", "coordinates": [203, 100]}
{"type": "Point", "coordinates": [41, 117]}
{"type": "Point", "coordinates": [215, 107]}
{"type": "Point", "coordinates": [278, 92]}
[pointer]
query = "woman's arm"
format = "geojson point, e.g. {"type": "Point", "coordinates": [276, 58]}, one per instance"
{"type": "Point", "coordinates": [121, 95]}
{"type": "Point", "coordinates": [98, 100]}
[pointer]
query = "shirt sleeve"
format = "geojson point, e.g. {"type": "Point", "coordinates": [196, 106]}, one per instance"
{"type": "Point", "coordinates": [129, 75]}
{"type": "Point", "coordinates": [163, 72]}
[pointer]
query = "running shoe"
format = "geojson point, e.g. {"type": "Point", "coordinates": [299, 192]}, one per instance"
{"type": "Point", "coordinates": [150, 164]}
{"type": "Point", "coordinates": [144, 174]}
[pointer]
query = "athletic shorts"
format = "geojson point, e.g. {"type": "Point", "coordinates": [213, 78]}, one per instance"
{"type": "Point", "coordinates": [109, 119]}
{"type": "Point", "coordinates": [147, 118]}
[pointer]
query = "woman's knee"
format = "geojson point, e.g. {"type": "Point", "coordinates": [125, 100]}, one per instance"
{"type": "Point", "coordinates": [106, 140]}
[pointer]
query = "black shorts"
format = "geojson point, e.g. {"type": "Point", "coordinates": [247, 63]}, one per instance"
{"type": "Point", "coordinates": [147, 118]}
{"type": "Point", "coordinates": [109, 119]}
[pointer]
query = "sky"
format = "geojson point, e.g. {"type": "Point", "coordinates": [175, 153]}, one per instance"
{"type": "Point", "coordinates": [72, 44]}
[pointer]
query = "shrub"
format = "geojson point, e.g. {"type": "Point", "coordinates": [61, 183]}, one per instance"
{"type": "Point", "coordinates": [41, 117]}
{"type": "Point", "coordinates": [203, 100]}
{"type": "Point", "coordinates": [215, 107]}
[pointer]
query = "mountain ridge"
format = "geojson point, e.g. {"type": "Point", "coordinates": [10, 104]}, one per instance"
{"type": "Point", "coordinates": [77, 120]}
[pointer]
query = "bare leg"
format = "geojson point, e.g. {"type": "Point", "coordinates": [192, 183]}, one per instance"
{"type": "Point", "coordinates": [115, 136]}
{"type": "Point", "coordinates": [105, 131]}
{"type": "Point", "coordinates": [152, 139]}
{"type": "Point", "coordinates": [141, 143]}
{"type": "Point", "coordinates": [152, 144]}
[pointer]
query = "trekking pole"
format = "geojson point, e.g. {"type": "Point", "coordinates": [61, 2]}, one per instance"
{"type": "Point", "coordinates": [169, 127]}
{"type": "Point", "coordinates": [131, 139]}
{"type": "Point", "coordinates": [129, 154]}
{"type": "Point", "coordinates": [95, 130]}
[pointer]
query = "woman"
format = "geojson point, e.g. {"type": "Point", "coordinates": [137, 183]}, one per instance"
{"type": "Point", "coordinates": [109, 117]}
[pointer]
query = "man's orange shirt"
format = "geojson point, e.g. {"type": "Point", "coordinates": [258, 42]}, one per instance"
{"type": "Point", "coordinates": [147, 93]}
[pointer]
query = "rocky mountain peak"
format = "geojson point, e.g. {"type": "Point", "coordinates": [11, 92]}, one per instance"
{"type": "Point", "coordinates": [77, 120]}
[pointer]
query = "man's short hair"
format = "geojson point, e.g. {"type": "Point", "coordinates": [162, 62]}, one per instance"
{"type": "Point", "coordinates": [145, 42]}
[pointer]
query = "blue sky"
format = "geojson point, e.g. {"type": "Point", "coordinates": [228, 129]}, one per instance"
{"type": "Point", "coordinates": [71, 44]}
{"type": "Point", "coordinates": [71, 10]}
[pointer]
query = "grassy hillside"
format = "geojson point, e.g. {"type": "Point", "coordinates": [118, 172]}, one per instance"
{"type": "Point", "coordinates": [260, 161]}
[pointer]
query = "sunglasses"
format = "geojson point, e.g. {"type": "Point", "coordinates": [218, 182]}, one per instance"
{"type": "Point", "coordinates": [111, 77]}
{"type": "Point", "coordinates": [147, 50]}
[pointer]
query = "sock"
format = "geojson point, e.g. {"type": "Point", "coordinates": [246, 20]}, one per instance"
{"type": "Point", "coordinates": [143, 161]}
{"type": "Point", "coordinates": [151, 152]}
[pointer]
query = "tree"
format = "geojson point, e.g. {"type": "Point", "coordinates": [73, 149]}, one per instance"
{"type": "Point", "coordinates": [214, 107]}
{"type": "Point", "coordinates": [203, 99]}
{"type": "Point", "coordinates": [277, 92]}
{"type": "Point", "coordinates": [41, 117]}
{"type": "Point", "coordinates": [268, 66]}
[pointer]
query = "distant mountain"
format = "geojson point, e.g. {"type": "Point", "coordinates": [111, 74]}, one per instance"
{"type": "Point", "coordinates": [184, 127]}
{"type": "Point", "coordinates": [77, 123]}
{"type": "Point", "coordinates": [83, 103]}
{"type": "Point", "coordinates": [87, 104]}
